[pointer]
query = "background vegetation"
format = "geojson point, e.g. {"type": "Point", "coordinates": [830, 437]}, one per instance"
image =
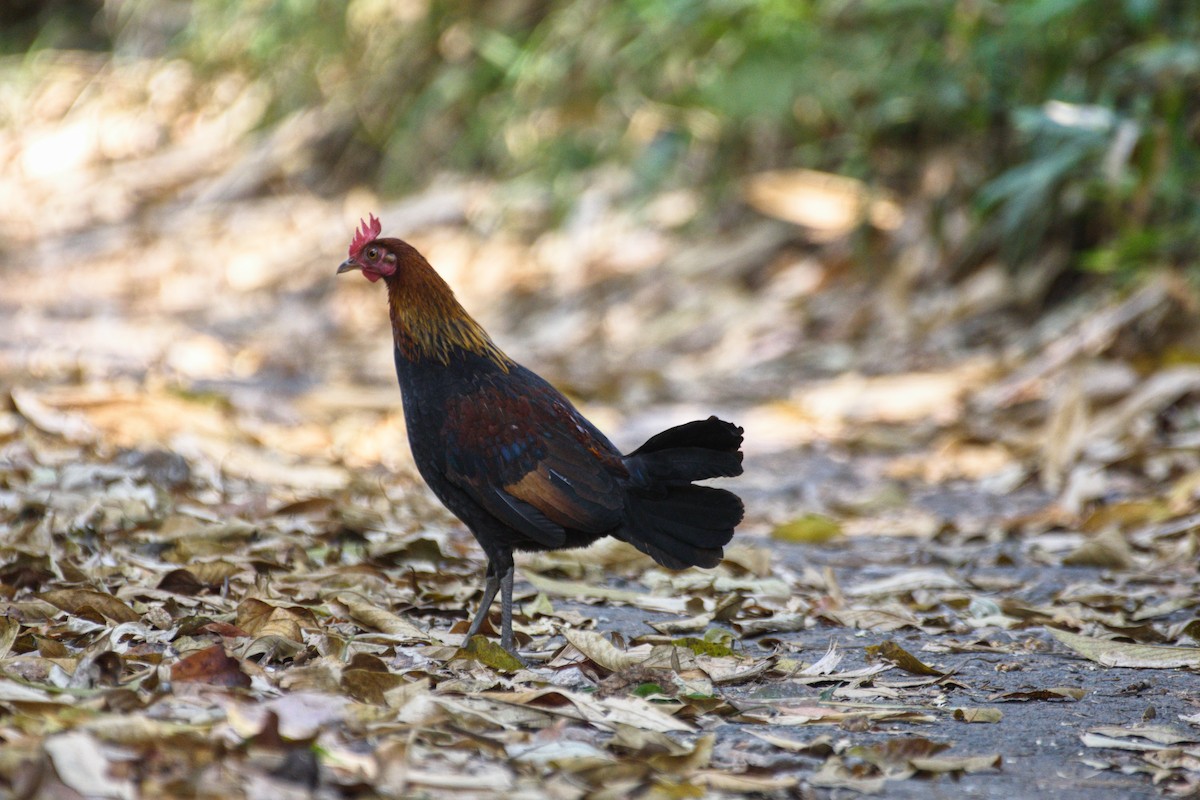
{"type": "Point", "coordinates": [1060, 120]}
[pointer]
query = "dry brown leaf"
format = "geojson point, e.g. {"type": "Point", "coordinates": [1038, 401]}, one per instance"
{"type": "Point", "coordinates": [967, 764]}
{"type": "Point", "coordinates": [90, 603]}
{"type": "Point", "coordinates": [215, 573]}
{"type": "Point", "coordinates": [1066, 432]}
{"type": "Point", "coordinates": [1109, 653]}
{"type": "Point", "coordinates": [9, 628]}
{"type": "Point", "coordinates": [600, 650]}
{"type": "Point", "coordinates": [903, 583]}
{"type": "Point", "coordinates": [381, 619]}
{"type": "Point", "coordinates": [902, 658]}
{"type": "Point", "coordinates": [1051, 693]}
{"type": "Point", "coordinates": [81, 763]}
{"type": "Point", "coordinates": [745, 784]}
{"type": "Point", "coordinates": [981, 714]}
{"type": "Point", "coordinates": [830, 205]}
{"type": "Point", "coordinates": [71, 426]}
{"type": "Point", "coordinates": [637, 713]}
{"type": "Point", "coordinates": [1108, 549]}
{"type": "Point", "coordinates": [639, 741]}
{"type": "Point", "coordinates": [13, 692]}
{"type": "Point", "coordinates": [684, 764]}
{"type": "Point", "coordinates": [260, 617]}
{"type": "Point", "coordinates": [370, 686]}
{"type": "Point", "coordinates": [808, 714]}
{"type": "Point", "coordinates": [836, 774]}
{"type": "Point", "coordinates": [1160, 734]}
{"type": "Point", "coordinates": [730, 671]}
{"type": "Point", "coordinates": [272, 647]}
{"type": "Point", "coordinates": [818, 746]}
{"type": "Point", "coordinates": [1115, 743]}
{"type": "Point", "coordinates": [1094, 333]}
{"type": "Point", "coordinates": [872, 619]}
{"type": "Point", "coordinates": [212, 666]}
{"type": "Point", "coordinates": [400, 696]}
{"type": "Point", "coordinates": [557, 588]}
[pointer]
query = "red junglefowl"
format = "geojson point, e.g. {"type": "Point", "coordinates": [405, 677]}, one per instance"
{"type": "Point", "coordinates": [515, 461]}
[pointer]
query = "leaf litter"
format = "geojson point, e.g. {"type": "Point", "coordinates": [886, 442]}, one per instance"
{"type": "Point", "coordinates": [222, 577]}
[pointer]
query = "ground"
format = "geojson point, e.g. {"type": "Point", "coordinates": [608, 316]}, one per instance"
{"type": "Point", "coordinates": [968, 566]}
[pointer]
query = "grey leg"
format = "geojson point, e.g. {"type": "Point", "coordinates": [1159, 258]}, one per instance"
{"type": "Point", "coordinates": [490, 585]}
{"type": "Point", "coordinates": [506, 610]}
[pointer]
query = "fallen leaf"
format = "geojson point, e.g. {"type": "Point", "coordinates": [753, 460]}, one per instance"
{"type": "Point", "coordinates": [639, 713]}
{"type": "Point", "coordinates": [1053, 693]}
{"type": "Point", "coordinates": [260, 618]}
{"type": "Point", "coordinates": [836, 774]}
{"type": "Point", "coordinates": [981, 714]}
{"type": "Point", "coordinates": [1108, 549]}
{"type": "Point", "coordinates": [830, 205]}
{"type": "Point", "coordinates": [827, 663]}
{"type": "Point", "coordinates": [600, 650]}
{"type": "Point", "coordinates": [1109, 653]}
{"type": "Point", "coordinates": [903, 583]}
{"type": "Point", "coordinates": [9, 628]}
{"type": "Point", "coordinates": [212, 666]}
{"type": "Point", "coordinates": [896, 753]}
{"type": "Point", "coordinates": [1160, 734]}
{"type": "Point", "coordinates": [71, 426]}
{"type": "Point", "coordinates": [704, 647]}
{"type": "Point", "coordinates": [902, 658]}
{"type": "Point", "coordinates": [808, 529]}
{"type": "Point", "coordinates": [181, 581]}
{"type": "Point", "coordinates": [563, 754]}
{"type": "Point", "coordinates": [87, 602]}
{"type": "Point", "coordinates": [968, 764]}
{"type": "Point", "coordinates": [380, 619]}
{"type": "Point", "coordinates": [1114, 743]}
{"type": "Point", "coordinates": [871, 619]}
{"type": "Point", "coordinates": [551, 586]}
{"type": "Point", "coordinates": [745, 784]}
{"type": "Point", "coordinates": [644, 742]}
{"type": "Point", "coordinates": [818, 746]}
{"type": "Point", "coordinates": [80, 762]}
{"type": "Point", "coordinates": [489, 653]}
{"type": "Point", "coordinates": [370, 686]}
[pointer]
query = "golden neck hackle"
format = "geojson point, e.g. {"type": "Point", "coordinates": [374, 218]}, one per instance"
{"type": "Point", "coordinates": [428, 322]}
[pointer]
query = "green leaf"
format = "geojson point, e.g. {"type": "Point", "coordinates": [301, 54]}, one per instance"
{"type": "Point", "coordinates": [489, 653]}
{"type": "Point", "coordinates": [703, 647]}
{"type": "Point", "coordinates": [808, 529]}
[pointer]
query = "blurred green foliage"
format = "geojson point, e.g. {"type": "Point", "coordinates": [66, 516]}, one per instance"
{"type": "Point", "coordinates": [1070, 119]}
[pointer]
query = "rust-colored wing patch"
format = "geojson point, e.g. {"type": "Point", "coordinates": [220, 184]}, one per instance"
{"type": "Point", "coordinates": [528, 456]}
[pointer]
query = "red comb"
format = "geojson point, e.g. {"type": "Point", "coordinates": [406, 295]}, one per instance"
{"type": "Point", "coordinates": [365, 235]}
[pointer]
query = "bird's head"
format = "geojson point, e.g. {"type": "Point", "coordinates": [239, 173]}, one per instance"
{"type": "Point", "coordinates": [370, 254]}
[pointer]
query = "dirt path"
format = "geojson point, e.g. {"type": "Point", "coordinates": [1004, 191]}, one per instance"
{"type": "Point", "coordinates": [968, 568]}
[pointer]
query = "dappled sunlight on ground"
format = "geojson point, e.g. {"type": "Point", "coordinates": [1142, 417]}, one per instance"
{"type": "Point", "coordinates": [215, 549]}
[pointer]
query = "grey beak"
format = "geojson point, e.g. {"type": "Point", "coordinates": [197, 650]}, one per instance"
{"type": "Point", "coordinates": [349, 265]}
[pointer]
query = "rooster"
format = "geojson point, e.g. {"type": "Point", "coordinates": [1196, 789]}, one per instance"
{"type": "Point", "coordinates": [512, 458]}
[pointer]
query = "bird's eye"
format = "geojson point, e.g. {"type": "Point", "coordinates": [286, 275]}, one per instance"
{"type": "Point", "coordinates": [373, 253]}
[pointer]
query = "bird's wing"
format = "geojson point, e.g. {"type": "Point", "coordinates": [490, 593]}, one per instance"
{"type": "Point", "coordinates": [526, 455]}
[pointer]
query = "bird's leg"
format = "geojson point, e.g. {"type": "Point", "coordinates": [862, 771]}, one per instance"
{"type": "Point", "coordinates": [506, 611]}
{"type": "Point", "coordinates": [490, 584]}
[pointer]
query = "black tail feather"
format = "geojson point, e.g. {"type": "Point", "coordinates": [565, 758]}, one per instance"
{"type": "Point", "coordinates": [683, 465]}
{"type": "Point", "coordinates": [677, 524]}
{"type": "Point", "coordinates": [708, 434]}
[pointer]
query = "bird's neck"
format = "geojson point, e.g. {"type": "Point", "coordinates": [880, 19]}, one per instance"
{"type": "Point", "coordinates": [428, 322]}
